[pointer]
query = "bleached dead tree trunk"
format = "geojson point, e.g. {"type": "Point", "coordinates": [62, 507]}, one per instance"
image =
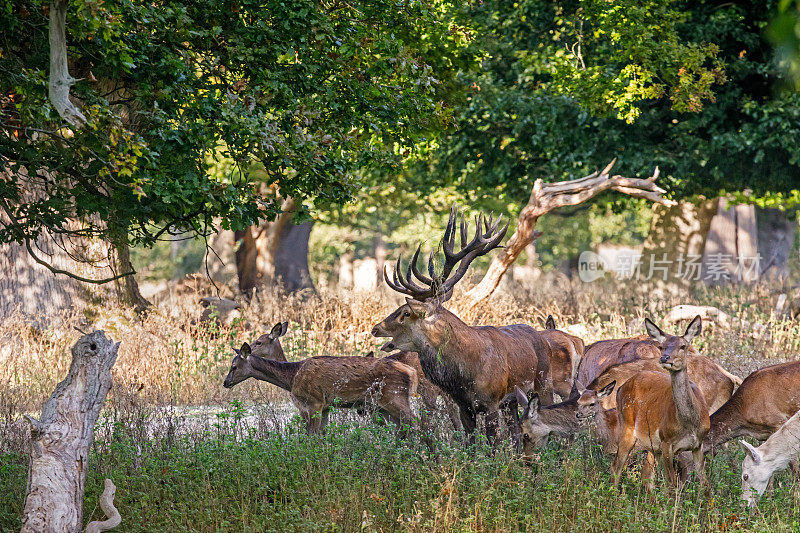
{"type": "Point", "coordinates": [61, 439]}
{"type": "Point", "coordinates": [60, 80]}
{"type": "Point", "coordinates": [548, 196]}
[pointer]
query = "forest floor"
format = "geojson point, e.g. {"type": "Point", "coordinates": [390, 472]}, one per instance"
{"type": "Point", "coordinates": [188, 455]}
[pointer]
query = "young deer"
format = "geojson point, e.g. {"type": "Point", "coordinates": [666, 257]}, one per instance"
{"type": "Point", "coordinates": [777, 453]}
{"type": "Point", "coordinates": [606, 423]}
{"type": "Point", "coordinates": [476, 366]}
{"type": "Point", "coordinates": [428, 392]}
{"type": "Point", "coordinates": [317, 383]}
{"type": "Point", "coordinates": [663, 414]}
{"type": "Point", "coordinates": [539, 423]}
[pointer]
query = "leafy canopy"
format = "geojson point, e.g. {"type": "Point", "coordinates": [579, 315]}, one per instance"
{"type": "Point", "coordinates": [310, 90]}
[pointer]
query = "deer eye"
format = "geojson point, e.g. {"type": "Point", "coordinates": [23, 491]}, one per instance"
{"type": "Point", "coordinates": [745, 476]}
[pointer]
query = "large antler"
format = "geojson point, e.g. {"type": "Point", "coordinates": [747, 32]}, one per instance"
{"type": "Point", "coordinates": [488, 235]}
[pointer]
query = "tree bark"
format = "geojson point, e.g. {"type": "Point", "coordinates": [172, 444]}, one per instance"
{"type": "Point", "coordinates": [275, 251]}
{"type": "Point", "coordinates": [127, 287]}
{"type": "Point", "coordinates": [61, 439]}
{"type": "Point", "coordinates": [548, 196]}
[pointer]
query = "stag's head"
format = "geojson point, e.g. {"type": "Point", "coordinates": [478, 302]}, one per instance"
{"type": "Point", "coordinates": [755, 474]}
{"type": "Point", "coordinates": [674, 348]}
{"type": "Point", "coordinates": [590, 402]}
{"type": "Point", "coordinates": [414, 323]}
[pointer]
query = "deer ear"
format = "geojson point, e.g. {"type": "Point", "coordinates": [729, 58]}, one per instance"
{"type": "Point", "coordinates": [278, 330]}
{"type": "Point", "coordinates": [244, 351]}
{"type": "Point", "coordinates": [608, 389]}
{"type": "Point", "coordinates": [752, 451]}
{"type": "Point", "coordinates": [693, 329]}
{"type": "Point", "coordinates": [654, 331]}
{"type": "Point", "coordinates": [284, 328]}
{"type": "Point", "coordinates": [550, 323]}
{"type": "Point", "coordinates": [532, 410]}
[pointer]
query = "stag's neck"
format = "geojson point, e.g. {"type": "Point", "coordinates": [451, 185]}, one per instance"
{"type": "Point", "coordinates": [561, 419]}
{"type": "Point", "coordinates": [682, 395]}
{"type": "Point", "coordinates": [279, 373]}
{"type": "Point", "coordinates": [725, 422]}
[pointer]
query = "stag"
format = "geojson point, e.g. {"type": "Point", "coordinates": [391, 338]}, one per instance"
{"type": "Point", "coordinates": [476, 365]}
{"type": "Point", "coordinates": [317, 383]}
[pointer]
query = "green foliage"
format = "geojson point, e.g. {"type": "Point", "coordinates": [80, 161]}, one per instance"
{"type": "Point", "coordinates": [310, 90]}
{"type": "Point", "coordinates": [533, 112]}
{"type": "Point", "coordinates": [365, 478]}
{"type": "Point", "coordinates": [784, 32]}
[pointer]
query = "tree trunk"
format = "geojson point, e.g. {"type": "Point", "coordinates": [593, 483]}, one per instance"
{"type": "Point", "coordinates": [676, 240]}
{"type": "Point", "coordinates": [548, 196]}
{"type": "Point", "coordinates": [127, 287]}
{"type": "Point", "coordinates": [61, 439]}
{"type": "Point", "coordinates": [220, 262]}
{"type": "Point", "coordinates": [275, 251]}
{"type": "Point", "coordinates": [291, 257]}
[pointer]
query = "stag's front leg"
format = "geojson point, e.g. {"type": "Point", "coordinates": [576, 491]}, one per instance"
{"type": "Point", "coordinates": [492, 419]}
{"type": "Point", "coordinates": [468, 422]}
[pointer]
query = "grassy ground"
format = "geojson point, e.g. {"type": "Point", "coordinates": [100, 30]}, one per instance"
{"type": "Point", "coordinates": [234, 473]}
{"type": "Point", "coordinates": [363, 478]}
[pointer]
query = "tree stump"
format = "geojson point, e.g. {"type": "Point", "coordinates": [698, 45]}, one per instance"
{"type": "Point", "coordinates": [61, 439]}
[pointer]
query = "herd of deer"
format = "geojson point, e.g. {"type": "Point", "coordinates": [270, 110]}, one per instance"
{"type": "Point", "coordinates": [652, 393]}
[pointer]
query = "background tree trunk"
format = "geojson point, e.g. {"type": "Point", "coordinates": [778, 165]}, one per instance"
{"type": "Point", "coordinates": [291, 257]}
{"type": "Point", "coordinates": [775, 241]}
{"type": "Point", "coordinates": [127, 287]}
{"type": "Point", "coordinates": [275, 251]}
{"type": "Point", "coordinates": [61, 439]}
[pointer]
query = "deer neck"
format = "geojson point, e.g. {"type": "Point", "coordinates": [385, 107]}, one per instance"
{"type": "Point", "coordinates": [783, 445]}
{"type": "Point", "coordinates": [279, 373]}
{"type": "Point", "coordinates": [725, 423]}
{"type": "Point", "coordinates": [561, 419]}
{"type": "Point", "coordinates": [688, 413]}
{"type": "Point", "coordinates": [606, 428]}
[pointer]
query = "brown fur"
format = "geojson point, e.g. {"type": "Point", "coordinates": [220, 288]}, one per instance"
{"type": "Point", "coordinates": [764, 401]}
{"type": "Point", "coordinates": [712, 380]}
{"type": "Point", "coordinates": [428, 392]}
{"type": "Point", "coordinates": [601, 355]}
{"type": "Point", "coordinates": [663, 414]}
{"type": "Point", "coordinates": [317, 383]}
{"type": "Point", "coordinates": [566, 352]}
{"type": "Point", "coordinates": [476, 365]}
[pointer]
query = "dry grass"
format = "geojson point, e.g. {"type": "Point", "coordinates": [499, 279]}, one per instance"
{"type": "Point", "coordinates": [167, 359]}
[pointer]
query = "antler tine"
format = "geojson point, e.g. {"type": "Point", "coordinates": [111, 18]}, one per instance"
{"type": "Point", "coordinates": [409, 281]}
{"type": "Point", "coordinates": [431, 265]}
{"type": "Point", "coordinates": [464, 235]}
{"type": "Point", "coordinates": [420, 276]}
{"type": "Point", "coordinates": [394, 284]}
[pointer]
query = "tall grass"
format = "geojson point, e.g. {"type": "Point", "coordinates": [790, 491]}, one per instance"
{"type": "Point", "coordinates": [235, 464]}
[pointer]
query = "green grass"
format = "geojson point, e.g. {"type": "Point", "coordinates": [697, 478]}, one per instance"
{"type": "Point", "coordinates": [363, 478]}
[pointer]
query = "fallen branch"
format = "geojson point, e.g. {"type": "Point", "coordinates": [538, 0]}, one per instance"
{"type": "Point", "coordinates": [107, 505]}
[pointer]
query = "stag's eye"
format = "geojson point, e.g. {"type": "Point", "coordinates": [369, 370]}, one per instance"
{"type": "Point", "coordinates": [745, 476]}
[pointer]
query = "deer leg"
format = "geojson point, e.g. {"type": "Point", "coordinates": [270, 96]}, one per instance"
{"type": "Point", "coordinates": [685, 466]}
{"type": "Point", "coordinates": [649, 471]}
{"type": "Point", "coordinates": [699, 458]}
{"type": "Point", "coordinates": [468, 422]}
{"type": "Point", "coordinates": [667, 463]}
{"type": "Point", "coordinates": [491, 419]}
{"type": "Point", "coordinates": [626, 443]}
{"type": "Point", "coordinates": [514, 430]}
{"type": "Point", "coordinates": [453, 413]}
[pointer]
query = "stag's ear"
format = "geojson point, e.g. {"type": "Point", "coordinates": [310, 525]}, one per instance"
{"type": "Point", "coordinates": [693, 329]}
{"type": "Point", "coordinates": [244, 351]}
{"type": "Point", "coordinates": [752, 451]}
{"type": "Point", "coordinates": [654, 331]}
{"type": "Point", "coordinates": [608, 389]}
{"type": "Point", "coordinates": [418, 309]}
{"type": "Point", "coordinates": [278, 330]}
{"type": "Point", "coordinates": [550, 323]}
